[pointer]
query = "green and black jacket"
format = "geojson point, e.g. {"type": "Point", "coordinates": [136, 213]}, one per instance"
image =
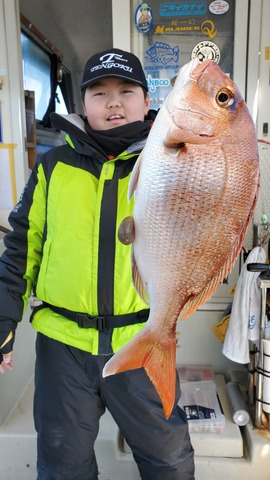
{"type": "Point", "coordinates": [64, 244]}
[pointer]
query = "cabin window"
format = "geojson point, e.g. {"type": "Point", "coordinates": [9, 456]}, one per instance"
{"type": "Point", "coordinates": [37, 76]}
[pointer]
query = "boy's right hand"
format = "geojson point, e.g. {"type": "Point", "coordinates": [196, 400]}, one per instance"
{"type": "Point", "coordinates": [6, 344]}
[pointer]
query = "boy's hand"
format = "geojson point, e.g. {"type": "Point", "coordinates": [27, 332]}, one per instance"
{"type": "Point", "coordinates": [6, 344]}
{"type": "Point", "coordinates": [6, 361]}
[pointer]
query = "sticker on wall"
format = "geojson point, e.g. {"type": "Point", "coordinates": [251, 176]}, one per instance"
{"type": "Point", "coordinates": [206, 51]}
{"type": "Point", "coordinates": [179, 9]}
{"type": "Point", "coordinates": [208, 28]}
{"type": "Point", "coordinates": [218, 7]}
{"type": "Point", "coordinates": [155, 83]}
{"type": "Point", "coordinates": [143, 18]}
{"type": "Point", "coordinates": [176, 26]}
{"type": "Point", "coordinates": [161, 63]}
{"type": "Point", "coordinates": [162, 53]}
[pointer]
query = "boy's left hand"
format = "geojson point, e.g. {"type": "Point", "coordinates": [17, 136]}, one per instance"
{"type": "Point", "coordinates": [6, 344]}
{"type": "Point", "coordinates": [6, 361]}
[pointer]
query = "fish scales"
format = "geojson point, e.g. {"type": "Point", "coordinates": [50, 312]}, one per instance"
{"type": "Point", "coordinates": [184, 217]}
{"type": "Point", "coordinates": [196, 184]}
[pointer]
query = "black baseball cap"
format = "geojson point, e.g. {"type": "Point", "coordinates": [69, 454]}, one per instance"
{"type": "Point", "coordinates": [114, 63]}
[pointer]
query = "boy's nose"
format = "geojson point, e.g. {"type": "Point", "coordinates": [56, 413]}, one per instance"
{"type": "Point", "coordinates": [114, 101]}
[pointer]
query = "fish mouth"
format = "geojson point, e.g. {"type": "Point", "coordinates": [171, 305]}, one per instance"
{"type": "Point", "coordinates": [192, 118]}
{"type": "Point", "coordinates": [186, 72]}
{"type": "Point", "coordinates": [194, 69]}
{"type": "Point", "coordinates": [149, 57]}
{"type": "Point", "coordinates": [199, 69]}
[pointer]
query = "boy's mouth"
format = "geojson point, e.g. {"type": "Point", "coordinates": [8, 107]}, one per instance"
{"type": "Point", "coordinates": [115, 117]}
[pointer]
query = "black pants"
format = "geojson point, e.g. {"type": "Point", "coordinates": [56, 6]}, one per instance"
{"type": "Point", "coordinates": [71, 396]}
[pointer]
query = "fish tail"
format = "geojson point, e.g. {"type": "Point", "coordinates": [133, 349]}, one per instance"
{"type": "Point", "coordinates": [156, 357]}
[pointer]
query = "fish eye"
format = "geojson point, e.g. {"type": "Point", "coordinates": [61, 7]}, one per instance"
{"type": "Point", "coordinates": [224, 98]}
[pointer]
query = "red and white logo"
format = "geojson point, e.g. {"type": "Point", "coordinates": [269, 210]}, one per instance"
{"type": "Point", "coordinates": [218, 7]}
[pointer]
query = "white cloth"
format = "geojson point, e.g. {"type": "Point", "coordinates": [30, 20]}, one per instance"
{"type": "Point", "coordinates": [245, 315]}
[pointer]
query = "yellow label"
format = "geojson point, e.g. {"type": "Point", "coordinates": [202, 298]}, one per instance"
{"type": "Point", "coordinates": [267, 53]}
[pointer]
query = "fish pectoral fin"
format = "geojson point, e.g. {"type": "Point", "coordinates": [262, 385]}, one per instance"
{"type": "Point", "coordinates": [126, 231]}
{"type": "Point", "coordinates": [156, 357]}
{"type": "Point", "coordinates": [177, 138]}
{"type": "Point", "coordinates": [138, 282]}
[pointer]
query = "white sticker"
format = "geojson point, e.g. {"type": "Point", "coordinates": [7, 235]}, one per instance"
{"type": "Point", "coordinates": [206, 50]}
{"type": "Point", "coordinates": [218, 7]}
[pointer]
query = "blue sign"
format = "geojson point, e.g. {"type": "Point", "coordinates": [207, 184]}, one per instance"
{"type": "Point", "coordinates": [179, 9]}
{"type": "Point", "coordinates": [154, 83]}
{"type": "Point", "coordinates": [162, 53]}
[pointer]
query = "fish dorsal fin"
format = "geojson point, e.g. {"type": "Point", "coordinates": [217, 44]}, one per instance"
{"type": "Point", "coordinates": [135, 176]}
{"type": "Point", "coordinates": [178, 136]}
{"type": "Point", "coordinates": [139, 284]}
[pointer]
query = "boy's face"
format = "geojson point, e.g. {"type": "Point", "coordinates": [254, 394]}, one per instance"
{"type": "Point", "coordinates": [113, 102]}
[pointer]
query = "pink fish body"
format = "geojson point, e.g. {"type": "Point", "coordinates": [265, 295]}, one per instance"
{"type": "Point", "coordinates": [196, 184]}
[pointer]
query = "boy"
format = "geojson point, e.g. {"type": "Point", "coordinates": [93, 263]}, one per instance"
{"type": "Point", "coordinates": [64, 247]}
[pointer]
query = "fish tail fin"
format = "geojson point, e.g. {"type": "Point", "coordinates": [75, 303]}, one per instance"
{"type": "Point", "coordinates": [158, 360]}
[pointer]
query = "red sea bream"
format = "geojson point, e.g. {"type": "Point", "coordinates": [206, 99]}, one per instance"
{"type": "Point", "coordinates": [196, 184]}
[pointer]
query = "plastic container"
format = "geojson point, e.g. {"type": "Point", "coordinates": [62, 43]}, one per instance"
{"type": "Point", "coordinates": [200, 402]}
{"type": "Point", "coordinates": [195, 373]}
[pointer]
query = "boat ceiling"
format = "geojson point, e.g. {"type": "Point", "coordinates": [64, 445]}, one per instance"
{"type": "Point", "coordinates": [77, 28]}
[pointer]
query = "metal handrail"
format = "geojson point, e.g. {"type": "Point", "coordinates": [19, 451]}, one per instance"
{"type": "Point", "coordinates": [4, 229]}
